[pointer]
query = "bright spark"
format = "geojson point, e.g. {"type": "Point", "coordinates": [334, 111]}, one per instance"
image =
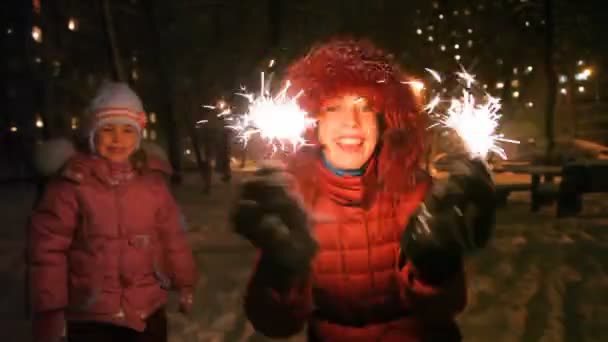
{"type": "Point", "coordinates": [466, 76]}
{"type": "Point", "coordinates": [416, 85]}
{"type": "Point", "coordinates": [430, 107]}
{"type": "Point", "coordinates": [277, 119]}
{"type": "Point", "coordinates": [475, 123]}
{"type": "Point", "coordinates": [435, 74]}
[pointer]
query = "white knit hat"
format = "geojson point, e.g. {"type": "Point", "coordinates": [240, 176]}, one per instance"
{"type": "Point", "coordinates": [115, 103]}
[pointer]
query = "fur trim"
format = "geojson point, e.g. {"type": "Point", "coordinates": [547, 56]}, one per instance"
{"type": "Point", "coordinates": [50, 156]}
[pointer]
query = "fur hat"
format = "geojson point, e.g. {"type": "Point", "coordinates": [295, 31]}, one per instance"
{"type": "Point", "coordinates": [348, 66]}
{"type": "Point", "coordinates": [114, 103]}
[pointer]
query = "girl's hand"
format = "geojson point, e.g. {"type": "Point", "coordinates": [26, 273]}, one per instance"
{"type": "Point", "coordinates": [186, 301]}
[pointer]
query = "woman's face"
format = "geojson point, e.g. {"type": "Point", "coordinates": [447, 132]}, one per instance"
{"type": "Point", "coordinates": [116, 142]}
{"type": "Point", "coordinates": [348, 131]}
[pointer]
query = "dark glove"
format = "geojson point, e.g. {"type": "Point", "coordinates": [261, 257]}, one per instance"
{"type": "Point", "coordinates": [49, 326]}
{"type": "Point", "coordinates": [456, 218]}
{"type": "Point", "coordinates": [273, 218]}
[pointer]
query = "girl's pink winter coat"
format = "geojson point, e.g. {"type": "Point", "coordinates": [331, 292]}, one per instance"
{"type": "Point", "coordinates": [101, 250]}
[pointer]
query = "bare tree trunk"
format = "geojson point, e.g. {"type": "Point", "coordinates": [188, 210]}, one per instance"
{"type": "Point", "coordinates": [551, 76]}
{"type": "Point", "coordinates": [274, 21]}
{"type": "Point", "coordinates": [204, 167]}
{"type": "Point", "coordinates": [113, 50]}
{"type": "Point", "coordinates": [169, 117]}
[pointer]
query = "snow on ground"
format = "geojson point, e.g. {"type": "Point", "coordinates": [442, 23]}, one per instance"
{"type": "Point", "coordinates": [542, 278]}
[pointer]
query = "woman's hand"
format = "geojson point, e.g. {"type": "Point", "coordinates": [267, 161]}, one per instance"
{"type": "Point", "coordinates": [456, 218]}
{"type": "Point", "coordinates": [271, 215]}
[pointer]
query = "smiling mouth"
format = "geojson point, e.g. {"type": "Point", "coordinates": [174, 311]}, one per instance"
{"type": "Point", "coordinates": [350, 144]}
{"type": "Point", "coordinates": [116, 149]}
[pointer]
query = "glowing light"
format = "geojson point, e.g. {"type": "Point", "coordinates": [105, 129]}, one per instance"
{"type": "Point", "coordinates": [417, 86]}
{"type": "Point", "coordinates": [39, 122]}
{"type": "Point", "coordinates": [527, 23]}
{"type": "Point", "coordinates": [442, 47]}
{"type": "Point", "coordinates": [516, 94]}
{"type": "Point", "coordinates": [14, 129]}
{"type": "Point", "coordinates": [430, 39]}
{"type": "Point", "coordinates": [37, 34]}
{"type": "Point", "coordinates": [580, 62]}
{"type": "Point", "coordinates": [563, 91]}
{"type": "Point", "coordinates": [529, 69]}
{"type": "Point", "coordinates": [563, 79]}
{"type": "Point", "coordinates": [530, 104]}
{"type": "Point", "coordinates": [457, 57]}
{"type": "Point", "coordinates": [419, 31]}
{"type": "Point", "coordinates": [581, 89]}
{"type": "Point", "coordinates": [470, 31]}
{"type": "Point", "coordinates": [500, 85]}
{"type": "Point", "coordinates": [587, 72]}
{"type": "Point", "coordinates": [456, 46]}
{"type": "Point", "coordinates": [441, 17]}
{"type": "Point", "coordinates": [514, 83]}
{"type": "Point", "coordinates": [271, 63]}
{"type": "Point", "coordinates": [72, 24]}
{"type": "Point", "coordinates": [74, 122]}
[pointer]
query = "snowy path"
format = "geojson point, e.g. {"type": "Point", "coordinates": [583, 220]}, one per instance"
{"type": "Point", "coordinates": [542, 279]}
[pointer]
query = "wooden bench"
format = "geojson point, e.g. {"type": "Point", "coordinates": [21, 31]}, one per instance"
{"type": "Point", "coordinates": [541, 187]}
{"type": "Point", "coordinates": [580, 178]}
{"type": "Point", "coordinates": [504, 190]}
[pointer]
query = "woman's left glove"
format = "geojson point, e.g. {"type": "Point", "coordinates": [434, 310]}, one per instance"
{"type": "Point", "coordinates": [456, 217]}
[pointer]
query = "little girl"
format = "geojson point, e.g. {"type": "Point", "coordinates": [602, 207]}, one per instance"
{"type": "Point", "coordinates": [105, 241]}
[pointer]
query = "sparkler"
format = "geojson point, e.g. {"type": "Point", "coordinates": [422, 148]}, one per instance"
{"type": "Point", "coordinates": [277, 119]}
{"type": "Point", "coordinates": [475, 123]}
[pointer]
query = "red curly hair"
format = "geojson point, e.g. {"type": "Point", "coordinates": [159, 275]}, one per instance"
{"type": "Point", "coordinates": [349, 66]}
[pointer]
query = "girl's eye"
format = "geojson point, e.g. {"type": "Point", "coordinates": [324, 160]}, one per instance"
{"type": "Point", "coordinates": [107, 129]}
{"type": "Point", "coordinates": [331, 108]}
{"type": "Point", "coordinates": [128, 129]}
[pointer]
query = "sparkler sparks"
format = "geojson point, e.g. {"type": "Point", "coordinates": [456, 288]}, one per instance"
{"type": "Point", "coordinates": [277, 119]}
{"type": "Point", "coordinates": [475, 123]}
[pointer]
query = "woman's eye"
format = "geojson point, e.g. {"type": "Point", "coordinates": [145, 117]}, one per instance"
{"type": "Point", "coordinates": [331, 108]}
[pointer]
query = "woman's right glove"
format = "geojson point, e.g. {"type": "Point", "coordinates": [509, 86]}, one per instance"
{"type": "Point", "coordinates": [272, 217]}
{"type": "Point", "coordinates": [49, 326]}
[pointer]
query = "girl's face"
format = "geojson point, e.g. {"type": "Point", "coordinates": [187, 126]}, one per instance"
{"type": "Point", "coordinates": [348, 131]}
{"type": "Point", "coordinates": [116, 142]}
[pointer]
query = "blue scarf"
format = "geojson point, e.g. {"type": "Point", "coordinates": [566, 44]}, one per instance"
{"type": "Point", "coordinates": [343, 172]}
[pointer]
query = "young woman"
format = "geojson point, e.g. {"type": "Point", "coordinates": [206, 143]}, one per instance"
{"type": "Point", "coordinates": [354, 239]}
